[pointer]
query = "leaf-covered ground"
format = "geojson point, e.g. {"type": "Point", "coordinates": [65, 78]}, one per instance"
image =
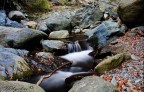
{"type": "Point", "coordinates": [129, 77]}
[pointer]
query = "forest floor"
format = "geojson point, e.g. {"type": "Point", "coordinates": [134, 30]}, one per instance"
{"type": "Point", "coordinates": [129, 77]}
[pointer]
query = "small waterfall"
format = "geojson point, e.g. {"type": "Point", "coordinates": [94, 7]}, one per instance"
{"type": "Point", "coordinates": [74, 47]}
{"type": "Point", "coordinates": [78, 46]}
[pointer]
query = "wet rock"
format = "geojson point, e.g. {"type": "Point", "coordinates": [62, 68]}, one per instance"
{"type": "Point", "coordinates": [59, 20]}
{"type": "Point", "coordinates": [13, 66]}
{"type": "Point", "coordinates": [131, 12]}
{"type": "Point", "coordinates": [106, 32]}
{"type": "Point", "coordinates": [111, 63]}
{"type": "Point", "coordinates": [4, 31]}
{"type": "Point", "coordinates": [14, 51]}
{"type": "Point", "coordinates": [16, 15]}
{"type": "Point", "coordinates": [93, 84]}
{"type": "Point", "coordinates": [50, 45]}
{"type": "Point", "coordinates": [25, 38]}
{"type": "Point", "coordinates": [18, 86]}
{"type": "Point", "coordinates": [86, 17]}
{"type": "Point", "coordinates": [31, 24]}
{"type": "Point", "coordinates": [5, 21]}
{"type": "Point", "coordinates": [59, 34]}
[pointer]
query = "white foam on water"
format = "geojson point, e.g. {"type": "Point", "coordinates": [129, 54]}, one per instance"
{"type": "Point", "coordinates": [81, 58]}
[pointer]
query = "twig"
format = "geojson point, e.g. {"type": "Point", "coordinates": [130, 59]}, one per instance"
{"type": "Point", "coordinates": [50, 74]}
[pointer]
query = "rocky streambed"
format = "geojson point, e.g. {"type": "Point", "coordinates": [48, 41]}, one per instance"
{"type": "Point", "coordinates": [68, 45]}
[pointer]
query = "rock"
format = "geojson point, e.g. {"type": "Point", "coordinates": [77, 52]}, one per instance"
{"type": "Point", "coordinates": [111, 63]}
{"type": "Point", "coordinates": [131, 12]}
{"type": "Point", "coordinates": [106, 32]}
{"type": "Point", "coordinates": [86, 17]}
{"type": "Point", "coordinates": [2, 17]}
{"type": "Point", "coordinates": [60, 20]}
{"type": "Point", "coordinates": [135, 57]}
{"type": "Point", "coordinates": [76, 31]}
{"type": "Point", "coordinates": [25, 38]}
{"type": "Point", "coordinates": [93, 84]}
{"type": "Point", "coordinates": [4, 31]}
{"type": "Point", "coordinates": [108, 6]}
{"type": "Point", "coordinates": [114, 81]}
{"type": "Point", "coordinates": [1, 46]}
{"type": "Point", "coordinates": [45, 56]}
{"type": "Point", "coordinates": [50, 45]}
{"type": "Point", "coordinates": [59, 34]}
{"type": "Point", "coordinates": [16, 15]}
{"type": "Point", "coordinates": [5, 21]}
{"type": "Point", "coordinates": [18, 86]}
{"type": "Point", "coordinates": [85, 30]}
{"type": "Point", "coordinates": [13, 66]}
{"type": "Point", "coordinates": [14, 51]}
{"type": "Point", "coordinates": [43, 27]}
{"type": "Point", "coordinates": [31, 24]}
{"type": "Point", "coordinates": [138, 28]}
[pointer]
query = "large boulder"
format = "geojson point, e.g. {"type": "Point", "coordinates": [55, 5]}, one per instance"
{"type": "Point", "coordinates": [87, 16]}
{"type": "Point", "coordinates": [131, 12]}
{"type": "Point", "coordinates": [93, 84]}
{"type": "Point", "coordinates": [106, 32]}
{"type": "Point", "coordinates": [25, 38]}
{"type": "Point", "coordinates": [13, 66]}
{"type": "Point", "coordinates": [60, 20]}
{"type": "Point", "coordinates": [4, 31]}
{"type": "Point", "coordinates": [18, 86]}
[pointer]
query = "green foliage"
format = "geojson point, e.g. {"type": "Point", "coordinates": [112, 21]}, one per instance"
{"type": "Point", "coordinates": [37, 5]}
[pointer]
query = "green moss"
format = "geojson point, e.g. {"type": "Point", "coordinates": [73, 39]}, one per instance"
{"type": "Point", "coordinates": [2, 77]}
{"type": "Point", "coordinates": [38, 5]}
{"type": "Point", "coordinates": [25, 73]}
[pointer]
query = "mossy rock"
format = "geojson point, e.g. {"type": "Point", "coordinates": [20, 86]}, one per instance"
{"type": "Point", "coordinates": [111, 63]}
